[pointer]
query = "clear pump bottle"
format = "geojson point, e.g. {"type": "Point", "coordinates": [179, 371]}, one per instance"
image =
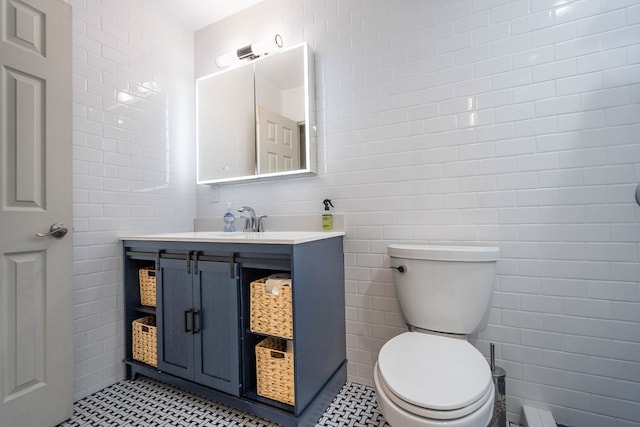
{"type": "Point", "coordinates": [229, 220]}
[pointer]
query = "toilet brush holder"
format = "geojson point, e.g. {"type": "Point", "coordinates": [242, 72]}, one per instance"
{"type": "Point", "coordinates": [500, 403]}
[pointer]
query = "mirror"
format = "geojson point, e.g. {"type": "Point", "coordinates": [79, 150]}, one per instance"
{"type": "Point", "coordinates": [257, 120]}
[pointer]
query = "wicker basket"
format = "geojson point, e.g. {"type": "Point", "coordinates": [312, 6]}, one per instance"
{"type": "Point", "coordinates": [148, 286]}
{"type": "Point", "coordinates": [271, 309]}
{"type": "Point", "coordinates": [274, 370]}
{"type": "Point", "coordinates": [145, 340]}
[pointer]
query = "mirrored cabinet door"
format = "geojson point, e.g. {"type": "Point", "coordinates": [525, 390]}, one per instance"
{"type": "Point", "coordinates": [225, 125]}
{"type": "Point", "coordinates": [280, 112]}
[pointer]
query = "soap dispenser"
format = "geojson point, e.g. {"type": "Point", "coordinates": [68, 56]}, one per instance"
{"type": "Point", "coordinates": [327, 218]}
{"type": "Point", "coordinates": [229, 220]}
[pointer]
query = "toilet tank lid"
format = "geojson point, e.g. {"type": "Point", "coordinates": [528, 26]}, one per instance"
{"type": "Point", "coordinates": [444, 253]}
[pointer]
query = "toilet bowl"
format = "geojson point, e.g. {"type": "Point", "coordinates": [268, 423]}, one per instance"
{"type": "Point", "coordinates": [432, 376]}
{"type": "Point", "coordinates": [427, 380]}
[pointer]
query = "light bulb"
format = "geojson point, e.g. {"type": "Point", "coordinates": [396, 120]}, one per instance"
{"type": "Point", "coordinates": [226, 60]}
{"type": "Point", "coordinates": [267, 46]}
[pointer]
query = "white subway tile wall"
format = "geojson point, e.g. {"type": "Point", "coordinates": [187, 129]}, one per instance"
{"type": "Point", "coordinates": [509, 123]}
{"type": "Point", "coordinates": [133, 148]}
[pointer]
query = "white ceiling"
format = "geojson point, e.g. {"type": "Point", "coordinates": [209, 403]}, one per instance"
{"type": "Point", "coordinates": [197, 14]}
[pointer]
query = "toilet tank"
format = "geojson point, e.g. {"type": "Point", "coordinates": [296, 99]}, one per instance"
{"type": "Point", "coordinates": [444, 288]}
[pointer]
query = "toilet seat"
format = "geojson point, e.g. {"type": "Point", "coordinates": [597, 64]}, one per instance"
{"type": "Point", "coordinates": [434, 376]}
{"type": "Point", "coordinates": [398, 417]}
{"type": "Point", "coordinates": [443, 416]}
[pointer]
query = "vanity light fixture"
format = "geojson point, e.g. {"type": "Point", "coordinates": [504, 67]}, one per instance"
{"type": "Point", "coordinates": [250, 51]}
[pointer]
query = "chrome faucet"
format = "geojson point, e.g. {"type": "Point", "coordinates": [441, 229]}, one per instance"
{"type": "Point", "coordinates": [252, 223]}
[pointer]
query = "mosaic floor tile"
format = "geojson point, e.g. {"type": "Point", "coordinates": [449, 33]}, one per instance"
{"type": "Point", "coordinates": [148, 403]}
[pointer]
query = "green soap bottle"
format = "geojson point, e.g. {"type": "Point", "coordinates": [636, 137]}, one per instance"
{"type": "Point", "coordinates": [327, 218]}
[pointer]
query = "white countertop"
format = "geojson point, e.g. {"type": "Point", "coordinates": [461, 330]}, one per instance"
{"type": "Point", "coordinates": [272, 237]}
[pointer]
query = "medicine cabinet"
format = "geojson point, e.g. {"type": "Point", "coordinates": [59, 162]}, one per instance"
{"type": "Point", "coordinates": [257, 120]}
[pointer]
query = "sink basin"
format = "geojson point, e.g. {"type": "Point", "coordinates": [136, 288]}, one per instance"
{"type": "Point", "coordinates": [266, 237]}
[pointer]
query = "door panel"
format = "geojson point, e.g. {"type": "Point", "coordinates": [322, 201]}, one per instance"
{"type": "Point", "coordinates": [175, 343]}
{"type": "Point", "coordinates": [25, 142]}
{"type": "Point", "coordinates": [217, 346]}
{"type": "Point", "coordinates": [36, 359]}
{"type": "Point", "coordinates": [278, 142]}
{"type": "Point", "coordinates": [26, 322]}
{"type": "Point", "coordinates": [26, 25]}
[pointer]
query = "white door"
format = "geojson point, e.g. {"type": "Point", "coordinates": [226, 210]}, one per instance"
{"type": "Point", "coordinates": [36, 356]}
{"type": "Point", "coordinates": [278, 142]}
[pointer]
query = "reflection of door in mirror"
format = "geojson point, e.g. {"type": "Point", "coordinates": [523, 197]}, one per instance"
{"type": "Point", "coordinates": [226, 125]}
{"type": "Point", "coordinates": [278, 142]}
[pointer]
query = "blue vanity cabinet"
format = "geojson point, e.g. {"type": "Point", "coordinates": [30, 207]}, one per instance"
{"type": "Point", "coordinates": [197, 320]}
{"type": "Point", "coordinates": [203, 306]}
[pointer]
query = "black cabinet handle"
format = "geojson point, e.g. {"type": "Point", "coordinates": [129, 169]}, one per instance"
{"type": "Point", "coordinates": [195, 262]}
{"type": "Point", "coordinates": [188, 328]}
{"type": "Point", "coordinates": [189, 262]}
{"type": "Point", "coordinates": [195, 321]}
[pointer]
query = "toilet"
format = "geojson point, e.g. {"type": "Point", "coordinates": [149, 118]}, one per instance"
{"type": "Point", "coordinates": [432, 376]}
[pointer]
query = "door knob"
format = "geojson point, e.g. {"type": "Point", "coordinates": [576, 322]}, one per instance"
{"type": "Point", "coordinates": [57, 230]}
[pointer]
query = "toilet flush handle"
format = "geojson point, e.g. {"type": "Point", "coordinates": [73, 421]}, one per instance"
{"type": "Point", "coordinates": [401, 268]}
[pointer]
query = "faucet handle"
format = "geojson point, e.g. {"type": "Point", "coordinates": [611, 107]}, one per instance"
{"type": "Point", "coordinates": [260, 225]}
{"type": "Point", "coordinates": [247, 223]}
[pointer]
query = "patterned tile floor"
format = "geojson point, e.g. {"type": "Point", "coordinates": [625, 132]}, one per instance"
{"type": "Point", "coordinates": [148, 403]}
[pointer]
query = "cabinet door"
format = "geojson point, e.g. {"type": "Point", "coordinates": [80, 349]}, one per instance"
{"type": "Point", "coordinates": [217, 345]}
{"type": "Point", "coordinates": [174, 318]}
